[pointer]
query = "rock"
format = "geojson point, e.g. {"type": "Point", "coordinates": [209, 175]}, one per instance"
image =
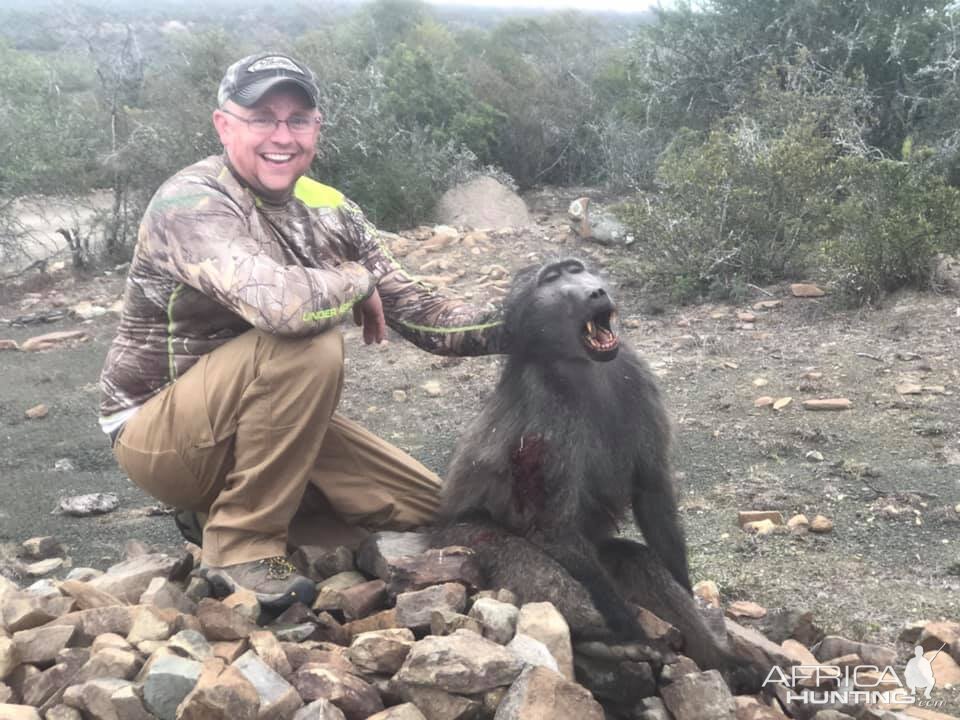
{"type": "Point", "coordinates": [805, 290]}
{"type": "Point", "coordinates": [764, 401]}
{"type": "Point", "coordinates": [49, 341]}
{"type": "Point", "coordinates": [597, 223]}
{"type": "Point", "coordinates": [356, 698]}
{"type": "Point", "coordinates": [41, 645]}
{"type": "Point", "coordinates": [40, 688]}
{"type": "Point", "coordinates": [433, 388]}
{"type": "Point", "coordinates": [221, 693]}
{"type": "Point", "coordinates": [243, 602]}
{"type": "Point", "coordinates": [149, 625]}
{"type": "Point", "coordinates": [798, 652]}
{"type": "Point", "coordinates": [87, 310]}
{"type": "Point", "coordinates": [381, 651]}
{"type": "Point", "coordinates": [760, 527]}
{"type": "Point", "coordinates": [109, 663]}
{"type": "Point", "coordinates": [96, 697]}
{"type": "Point", "coordinates": [437, 704]}
{"type": "Point", "coordinates": [9, 656]}
{"type": "Point", "coordinates": [909, 388]}
{"type": "Point", "coordinates": [43, 567]}
{"type": "Point", "coordinates": [81, 574]}
{"type": "Point", "coordinates": [532, 652]}
{"type": "Point", "coordinates": [542, 621]}
{"type": "Point", "coordinates": [278, 698]}
{"type": "Point", "coordinates": [18, 712]}
{"type": "Point", "coordinates": [87, 596]}
{"type": "Point", "coordinates": [814, 456]}
{"type": "Point", "coordinates": [37, 412]}
{"type": "Point", "coordinates": [447, 622]}
{"type": "Point", "coordinates": [833, 646]}
{"type": "Point", "coordinates": [414, 608]}
{"type": "Point", "coordinates": [86, 505]}
{"type": "Point", "coordinates": [405, 563]}
{"type": "Point", "coordinates": [7, 344]}
{"type": "Point", "coordinates": [42, 548]}
{"type": "Point", "coordinates": [323, 709]}
{"type": "Point", "coordinates": [406, 711]}
{"type": "Point", "coordinates": [821, 525]}
{"type": "Point", "coordinates": [319, 561]}
{"type": "Point", "coordinates": [162, 593]}
{"type": "Point", "coordinates": [751, 516]}
{"type": "Point", "coordinates": [168, 681]}
{"type": "Point", "coordinates": [798, 522]}
{"type": "Point", "coordinates": [752, 708]}
{"type": "Point", "coordinates": [541, 694]}
{"type": "Point", "coordinates": [708, 592]}
{"type": "Point", "coordinates": [673, 671]}
{"type": "Point", "coordinates": [498, 620]}
{"type": "Point", "coordinates": [748, 644]}
{"type": "Point", "coordinates": [361, 600]}
{"type": "Point", "coordinates": [24, 610]}
{"type": "Point", "coordinates": [935, 634]}
{"type": "Point", "coordinates": [700, 697]}
{"type": "Point", "coordinates": [741, 609]}
{"type": "Point", "coordinates": [482, 202]}
{"type": "Point", "coordinates": [268, 648]}
{"type": "Point", "coordinates": [128, 705]}
{"type": "Point", "coordinates": [129, 579]}
{"type": "Point", "coordinates": [945, 669]}
{"type": "Point", "coordinates": [92, 623]}
{"type": "Point", "coordinates": [220, 622]}
{"type": "Point", "coordinates": [194, 645]}
{"type": "Point", "coordinates": [63, 712]}
{"type": "Point", "coordinates": [760, 382]}
{"type": "Point", "coordinates": [228, 651]}
{"type": "Point", "coordinates": [828, 404]}
{"type": "Point", "coordinates": [329, 592]}
{"type": "Point", "coordinates": [460, 663]}
{"type": "Point", "coordinates": [197, 589]}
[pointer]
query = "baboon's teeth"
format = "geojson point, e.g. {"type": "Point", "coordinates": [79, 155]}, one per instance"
{"type": "Point", "coordinates": [590, 327]}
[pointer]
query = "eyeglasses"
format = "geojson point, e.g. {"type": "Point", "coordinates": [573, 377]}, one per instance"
{"type": "Point", "coordinates": [265, 125]}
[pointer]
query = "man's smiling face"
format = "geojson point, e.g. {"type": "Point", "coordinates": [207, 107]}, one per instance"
{"type": "Point", "coordinates": [270, 162]}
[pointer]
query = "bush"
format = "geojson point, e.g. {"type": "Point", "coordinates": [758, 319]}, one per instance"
{"type": "Point", "coordinates": [734, 209]}
{"type": "Point", "coordinates": [885, 233]}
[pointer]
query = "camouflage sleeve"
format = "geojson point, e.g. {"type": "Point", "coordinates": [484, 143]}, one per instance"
{"type": "Point", "coordinates": [437, 324]}
{"type": "Point", "coordinates": [197, 235]}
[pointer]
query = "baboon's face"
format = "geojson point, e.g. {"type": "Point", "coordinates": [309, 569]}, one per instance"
{"type": "Point", "coordinates": [564, 312]}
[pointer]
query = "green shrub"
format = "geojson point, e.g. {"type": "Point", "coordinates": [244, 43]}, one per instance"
{"type": "Point", "coordinates": [733, 209]}
{"type": "Point", "coordinates": [886, 231]}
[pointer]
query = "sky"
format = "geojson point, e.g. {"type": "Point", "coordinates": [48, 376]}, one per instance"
{"type": "Point", "coordinates": [586, 5]}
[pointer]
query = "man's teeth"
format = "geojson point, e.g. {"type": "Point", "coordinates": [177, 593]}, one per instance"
{"type": "Point", "coordinates": [278, 157]}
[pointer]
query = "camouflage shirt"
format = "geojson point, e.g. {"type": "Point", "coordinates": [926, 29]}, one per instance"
{"type": "Point", "coordinates": [213, 260]}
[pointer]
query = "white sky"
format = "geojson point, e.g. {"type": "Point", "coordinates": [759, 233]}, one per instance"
{"type": "Point", "coordinates": [585, 5]}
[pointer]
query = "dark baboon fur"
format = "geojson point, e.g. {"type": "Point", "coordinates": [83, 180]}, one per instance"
{"type": "Point", "coordinates": [574, 435]}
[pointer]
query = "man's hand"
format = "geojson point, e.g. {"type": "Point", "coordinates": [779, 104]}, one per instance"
{"type": "Point", "coordinates": [369, 314]}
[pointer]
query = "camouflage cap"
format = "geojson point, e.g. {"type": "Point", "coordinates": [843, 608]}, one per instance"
{"type": "Point", "coordinates": [248, 79]}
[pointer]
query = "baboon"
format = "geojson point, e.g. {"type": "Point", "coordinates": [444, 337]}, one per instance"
{"type": "Point", "coordinates": [574, 435]}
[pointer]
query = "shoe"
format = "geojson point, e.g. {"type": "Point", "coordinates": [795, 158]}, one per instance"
{"type": "Point", "coordinates": [274, 581]}
{"type": "Point", "coordinates": [190, 524]}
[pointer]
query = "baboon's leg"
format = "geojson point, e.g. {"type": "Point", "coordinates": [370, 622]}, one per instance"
{"type": "Point", "coordinates": [643, 580]}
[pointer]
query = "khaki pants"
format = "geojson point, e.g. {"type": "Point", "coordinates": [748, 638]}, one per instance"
{"type": "Point", "coordinates": [249, 435]}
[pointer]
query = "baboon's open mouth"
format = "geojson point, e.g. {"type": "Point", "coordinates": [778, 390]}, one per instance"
{"type": "Point", "coordinates": [599, 333]}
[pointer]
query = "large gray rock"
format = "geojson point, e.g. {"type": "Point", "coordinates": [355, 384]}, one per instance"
{"type": "Point", "coordinates": [532, 652]}
{"type": "Point", "coordinates": [192, 644]}
{"type": "Point", "coordinates": [834, 646]}
{"type": "Point", "coordinates": [440, 705]}
{"type": "Point", "coordinates": [162, 593]}
{"type": "Point", "coordinates": [357, 699]}
{"type": "Point", "coordinates": [461, 663]}
{"type": "Point", "coordinates": [542, 694]}
{"type": "Point", "coordinates": [278, 698]}
{"type": "Point", "coordinates": [498, 619]}
{"type": "Point", "coordinates": [482, 203]}
{"type": "Point", "coordinates": [414, 609]}
{"type": "Point", "coordinates": [404, 562]}
{"type": "Point", "coordinates": [543, 622]}
{"type": "Point", "coordinates": [129, 579]}
{"type": "Point", "coordinates": [381, 651]}
{"type": "Point", "coordinates": [167, 683]}
{"type": "Point", "coordinates": [41, 645]}
{"type": "Point", "coordinates": [700, 697]}
{"type": "Point", "coordinates": [321, 710]}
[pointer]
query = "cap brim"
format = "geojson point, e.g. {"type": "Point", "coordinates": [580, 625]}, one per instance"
{"type": "Point", "coordinates": [251, 94]}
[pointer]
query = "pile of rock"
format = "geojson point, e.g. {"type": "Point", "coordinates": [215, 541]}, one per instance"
{"type": "Point", "coordinates": [418, 640]}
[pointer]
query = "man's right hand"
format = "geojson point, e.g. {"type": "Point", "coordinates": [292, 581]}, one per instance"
{"type": "Point", "coordinates": [369, 314]}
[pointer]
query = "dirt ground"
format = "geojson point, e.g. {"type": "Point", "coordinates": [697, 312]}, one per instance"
{"type": "Point", "coordinates": [889, 476]}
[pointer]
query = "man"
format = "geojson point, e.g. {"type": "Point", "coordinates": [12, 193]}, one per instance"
{"type": "Point", "coordinates": [220, 388]}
